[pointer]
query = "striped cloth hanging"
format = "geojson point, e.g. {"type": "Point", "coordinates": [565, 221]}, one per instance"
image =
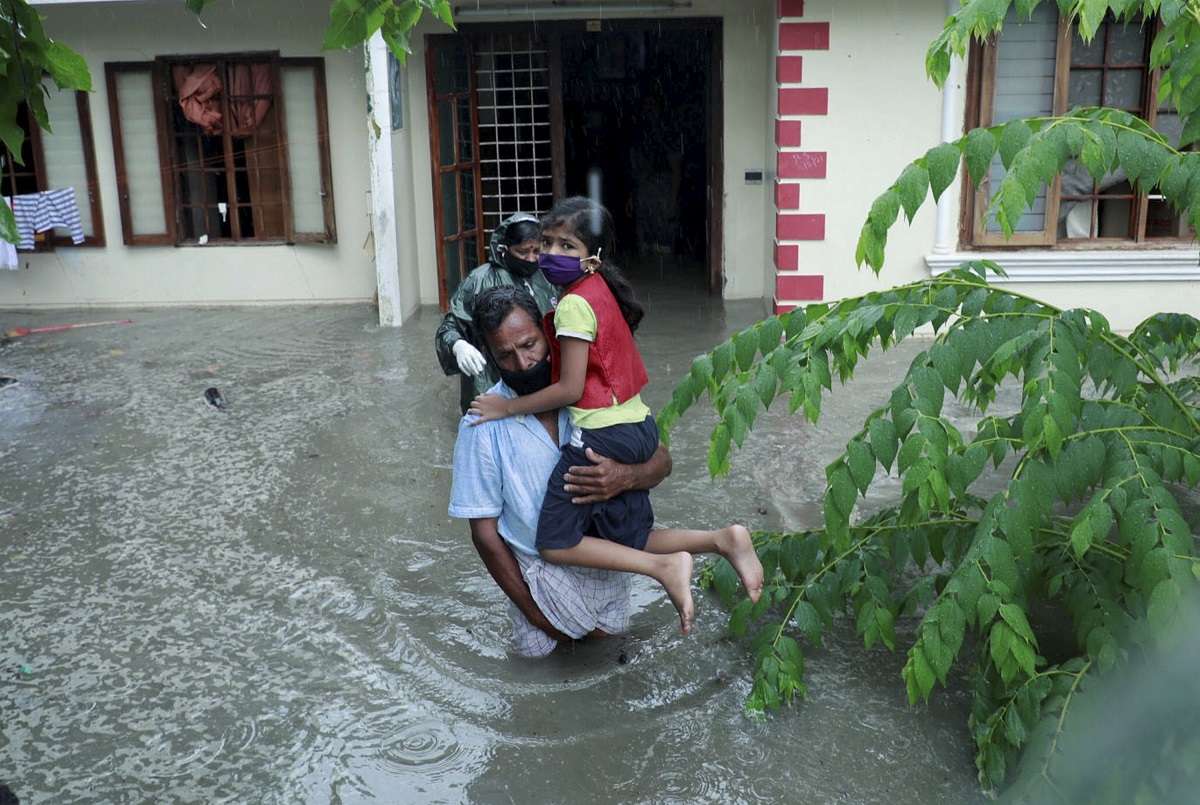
{"type": "Point", "coordinates": [39, 212]}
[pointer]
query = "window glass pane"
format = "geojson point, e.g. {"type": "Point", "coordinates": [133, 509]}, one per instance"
{"type": "Point", "coordinates": [135, 100]}
{"type": "Point", "coordinates": [1123, 90]}
{"type": "Point", "coordinates": [449, 204]}
{"type": "Point", "coordinates": [450, 70]}
{"type": "Point", "coordinates": [1115, 219]}
{"type": "Point", "coordinates": [445, 114]}
{"type": "Point", "coordinates": [1090, 53]}
{"type": "Point", "coordinates": [454, 271]}
{"type": "Point", "coordinates": [1084, 88]}
{"type": "Point", "coordinates": [303, 149]}
{"type": "Point", "coordinates": [63, 149]}
{"type": "Point", "coordinates": [1127, 43]}
{"type": "Point", "coordinates": [465, 151]}
{"type": "Point", "coordinates": [1170, 126]}
{"type": "Point", "coordinates": [1024, 87]}
{"type": "Point", "coordinates": [467, 183]}
{"type": "Point", "coordinates": [470, 251]}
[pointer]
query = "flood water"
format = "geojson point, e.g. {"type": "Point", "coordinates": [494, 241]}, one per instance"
{"type": "Point", "coordinates": [269, 603]}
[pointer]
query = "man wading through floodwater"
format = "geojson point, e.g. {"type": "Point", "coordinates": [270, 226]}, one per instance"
{"type": "Point", "coordinates": [500, 474]}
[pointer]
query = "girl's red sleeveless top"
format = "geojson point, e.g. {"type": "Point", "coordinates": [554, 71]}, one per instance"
{"type": "Point", "coordinates": [615, 371]}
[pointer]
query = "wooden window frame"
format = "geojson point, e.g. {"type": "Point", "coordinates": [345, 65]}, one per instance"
{"type": "Point", "coordinates": [160, 76]}
{"type": "Point", "coordinates": [459, 166]}
{"type": "Point", "coordinates": [973, 234]}
{"type": "Point", "coordinates": [48, 241]}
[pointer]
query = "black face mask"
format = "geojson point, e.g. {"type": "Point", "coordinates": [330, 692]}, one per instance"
{"type": "Point", "coordinates": [518, 267]}
{"type": "Point", "coordinates": [535, 378]}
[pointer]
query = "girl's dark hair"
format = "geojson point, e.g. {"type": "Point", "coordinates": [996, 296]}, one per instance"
{"type": "Point", "coordinates": [593, 224]}
{"type": "Point", "coordinates": [521, 231]}
{"type": "Point", "coordinates": [493, 306]}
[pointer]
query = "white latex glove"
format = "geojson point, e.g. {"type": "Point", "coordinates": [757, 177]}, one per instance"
{"type": "Point", "coordinates": [470, 360]}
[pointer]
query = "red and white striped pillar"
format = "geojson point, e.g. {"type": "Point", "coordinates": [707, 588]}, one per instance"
{"type": "Point", "coordinates": [796, 168]}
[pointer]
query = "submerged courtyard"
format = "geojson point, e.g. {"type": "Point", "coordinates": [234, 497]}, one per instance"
{"type": "Point", "coordinates": [267, 602]}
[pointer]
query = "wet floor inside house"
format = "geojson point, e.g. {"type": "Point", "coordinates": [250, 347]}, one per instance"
{"type": "Point", "coordinates": [269, 603]}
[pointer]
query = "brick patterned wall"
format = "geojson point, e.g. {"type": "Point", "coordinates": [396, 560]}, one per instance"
{"type": "Point", "coordinates": [795, 168]}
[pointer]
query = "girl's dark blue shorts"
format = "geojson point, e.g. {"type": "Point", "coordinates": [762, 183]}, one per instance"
{"type": "Point", "coordinates": [626, 518]}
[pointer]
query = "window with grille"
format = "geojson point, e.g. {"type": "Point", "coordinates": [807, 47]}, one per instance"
{"type": "Point", "coordinates": [515, 133]}
{"type": "Point", "coordinates": [213, 149]}
{"type": "Point", "coordinates": [1041, 66]}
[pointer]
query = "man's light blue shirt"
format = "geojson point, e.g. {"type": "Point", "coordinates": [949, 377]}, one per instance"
{"type": "Point", "coordinates": [501, 469]}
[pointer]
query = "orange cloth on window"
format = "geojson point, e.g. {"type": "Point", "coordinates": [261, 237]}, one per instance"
{"type": "Point", "coordinates": [249, 79]}
{"type": "Point", "coordinates": [199, 89]}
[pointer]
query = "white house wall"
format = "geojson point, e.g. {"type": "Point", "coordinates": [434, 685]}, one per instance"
{"type": "Point", "coordinates": [150, 275]}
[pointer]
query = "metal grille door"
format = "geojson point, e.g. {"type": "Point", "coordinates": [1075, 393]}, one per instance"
{"type": "Point", "coordinates": [513, 82]}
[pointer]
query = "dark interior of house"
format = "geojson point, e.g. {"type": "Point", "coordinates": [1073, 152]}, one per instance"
{"type": "Point", "coordinates": [635, 117]}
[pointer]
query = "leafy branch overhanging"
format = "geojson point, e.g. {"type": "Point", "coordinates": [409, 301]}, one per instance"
{"type": "Point", "coordinates": [1093, 463]}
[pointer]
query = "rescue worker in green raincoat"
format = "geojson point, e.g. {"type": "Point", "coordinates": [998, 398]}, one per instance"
{"type": "Point", "coordinates": [513, 253]}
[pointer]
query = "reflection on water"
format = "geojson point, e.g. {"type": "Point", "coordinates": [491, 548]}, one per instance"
{"type": "Point", "coordinates": [268, 603]}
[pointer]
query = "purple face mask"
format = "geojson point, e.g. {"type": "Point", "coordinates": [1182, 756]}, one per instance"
{"type": "Point", "coordinates": [560, 269]}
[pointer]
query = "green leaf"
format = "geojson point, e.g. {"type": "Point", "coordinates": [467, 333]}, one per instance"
{"type": "Point", "coordinates": [1082, 536]}
{"type": "Point", "coordinates": [8, 224]}
{"type": "Point", "coordinates": [1163, 604]}
{"type": "Point", "coordinates": [921, 670]}
{"type": "Point", "coordinates": [1091, 14]}
{"type": "Point", "coordinates": [352, 22]}
{"type": "Point", "coordinates": [766, 381]}
{"type": "Point", "coordinates": [1131, 151]}
{"type": "Point", "coordinates": [725, 582]}
{"type": "Point", "coordinates": [722, 361]}
{"type": "Point", "coordinates": [444, 12]}
{"type": "Point", "coordinates": [1013, 138]}
{"type": "Point", "coordinates": [68, 68]}
{"type": "Point", "coordinates": [1052, 434]}
{"type": "Point", "coordinates": [718, 451]}
{"type": "Point", "coordinates": [884, 441]}
{"type": "Point", "coordinates": [808, 621]}
{"type": "Point", "coordinates": [739, 618]}
{"type": "Point", "coordinates": [978, 150]}
{"type": "Point", "coordinates": [702, 372]}
{"type": "Point", "coordinates": [843, 490]}
{"type": "Point", "coordinates": [770, 332]}
{"type": "Point", "coordinates": [942, 164]}
{"type": "Point", "coordinates": [884, 210]}
{"type": "Point", "coordinates": [1014, 616]}
{"type": "Point", "coordinates": [862, 464]}
{"type": "Point", "coordinates": [745, 345]}
{"type": "Point", "coordinates": [911, 187]}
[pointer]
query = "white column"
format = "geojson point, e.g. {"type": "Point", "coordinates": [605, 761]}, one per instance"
{"type": "Point", "coordinates": [383, 198]}
{"type": "Point", "coordinates": [945, 239]}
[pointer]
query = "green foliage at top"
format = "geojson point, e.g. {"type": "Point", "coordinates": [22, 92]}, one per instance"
{"type": "Point", "coordinates": [352, 22]}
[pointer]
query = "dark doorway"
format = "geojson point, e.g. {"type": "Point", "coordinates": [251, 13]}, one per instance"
{"type": "Point", "coordinates": [523, 114]}
{"type": "Point", "coordinates": [637, 105]}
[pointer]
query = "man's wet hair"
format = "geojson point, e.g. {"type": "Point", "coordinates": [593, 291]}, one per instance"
{"type": "Point", "coordinates": [493, 306]}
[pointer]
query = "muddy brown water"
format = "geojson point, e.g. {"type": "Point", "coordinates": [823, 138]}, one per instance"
{"type": "Point", "coordinates": [269, 603]}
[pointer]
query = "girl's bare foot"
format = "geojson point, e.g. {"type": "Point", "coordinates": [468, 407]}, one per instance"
{"type": "Point", "coordinates": [676, 578]}
{"type": "Point", "coordinates": [735, 545]}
